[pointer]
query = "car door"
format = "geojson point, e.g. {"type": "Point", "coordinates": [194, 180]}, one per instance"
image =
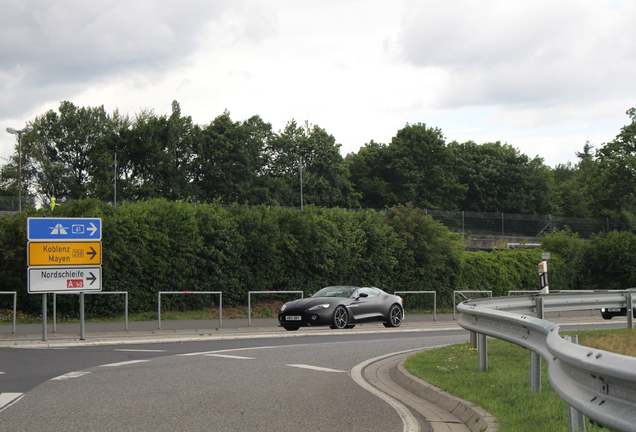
{"type": "Point", "coordinates": [366, 308]}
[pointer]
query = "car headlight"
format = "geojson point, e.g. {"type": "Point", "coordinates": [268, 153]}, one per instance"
{"type": "Point", "coordinates": [320, 306]}
{"type": "Point", "coordinates": [283, 307]}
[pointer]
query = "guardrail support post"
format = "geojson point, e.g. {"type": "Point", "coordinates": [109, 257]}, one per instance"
{"type": "Point", "coordinates": [221, 310]}
{"type": "Point", "coordinates": [482, 350]}
{"type": "Point", "coordinates": [126, 311]}
{"type": "Point", "coordinates": [82, 322]}
{"type": "Point", "coordinates": [630, 310]}
{"type": "Point", "coordinates": [539, 307]}
{"type": "Point", "coordinates": [15, 310]}
{"type": "Point", "coordinates": [435, 306]}
{"type": "Point", "coordinates": [249, 309]}
{"type": "Point", "coordinates": [576, 420]}
{"type": "Point", "coordinates": [159, 309]}
{"type": "Point", "coordinates": [473, 339]}
{"type": "Point", "coordinates": [535, 372]}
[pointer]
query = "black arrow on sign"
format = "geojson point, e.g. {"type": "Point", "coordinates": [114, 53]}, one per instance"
{"type": "Point", "coordinates": [92, 253]}
{"type": "Point", "coordinates": [92, 278]}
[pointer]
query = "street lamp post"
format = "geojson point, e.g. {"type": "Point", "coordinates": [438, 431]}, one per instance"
{"type": "Point", "coordinates": [19, 133]}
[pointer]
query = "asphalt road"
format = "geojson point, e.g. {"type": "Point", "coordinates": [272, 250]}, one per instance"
{"type": "Point", "coordinates": [260, 385]}
{"type": "Point", "coordinates": [282, 384]}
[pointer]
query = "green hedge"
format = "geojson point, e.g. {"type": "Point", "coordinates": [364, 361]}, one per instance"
{"type": "Point", "coordinates": [160, 245]}
{"type": "Point", "coordinates": [506, 270]}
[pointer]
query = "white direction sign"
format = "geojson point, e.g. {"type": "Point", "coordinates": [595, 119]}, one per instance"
{"type": "Point", "coordinates": [64, 279]}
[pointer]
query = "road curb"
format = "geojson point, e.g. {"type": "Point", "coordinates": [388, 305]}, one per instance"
{"type": "Point", "coordinates": [472, 415]}
{"type": "Point", "coordinates": [68, 343]}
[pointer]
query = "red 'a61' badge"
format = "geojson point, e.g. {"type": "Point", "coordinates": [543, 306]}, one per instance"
{"type": "Point", "coordinates": [74, 283]}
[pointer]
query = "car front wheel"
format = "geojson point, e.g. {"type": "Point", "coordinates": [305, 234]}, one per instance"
{"type": "Point", "coordinates": [340, 318]}
{"type": "Point", "coordinates": [395, 316]}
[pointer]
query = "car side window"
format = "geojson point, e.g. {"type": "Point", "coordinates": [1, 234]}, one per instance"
{"type": "Point", "coordinates": [369, 291]}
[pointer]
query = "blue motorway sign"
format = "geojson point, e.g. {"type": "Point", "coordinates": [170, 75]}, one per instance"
{"type": "Point", "coordinates": [64, 228]}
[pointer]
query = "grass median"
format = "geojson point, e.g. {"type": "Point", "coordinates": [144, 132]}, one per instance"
{"type": "Point", "coordinates": [504, 389]}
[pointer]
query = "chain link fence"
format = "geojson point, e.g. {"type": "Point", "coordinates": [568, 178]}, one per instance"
{"type": "Point", "coordinates": [512, 224]}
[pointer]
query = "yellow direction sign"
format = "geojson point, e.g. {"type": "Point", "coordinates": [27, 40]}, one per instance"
{"type": "Point", "coordinates": [64, 253]}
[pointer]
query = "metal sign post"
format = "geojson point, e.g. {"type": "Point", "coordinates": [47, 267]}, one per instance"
{"type": "Point", "coordinates": [44, 335]}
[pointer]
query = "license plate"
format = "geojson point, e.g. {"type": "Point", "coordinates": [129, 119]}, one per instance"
{"type": "Point", "coordinates": [613, 309]}
{"type": "Point", "coordinates": [293, 318]}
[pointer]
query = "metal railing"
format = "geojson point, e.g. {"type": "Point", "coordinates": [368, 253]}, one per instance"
{"type": "Point", "coordinates": [595, 383]}
{"type": "Point", "coordinates": [219, 293]}
{"type": "Point", "coordinates": [434, 293]}
{"type": "Point", "coordinates": [249, 300]}
{"type": "Point", "coordinates": [463, 292]}
{"type": "Point", "coordinates": [15, 306]}
{"type": "Point", "coordinates": [124, 293]}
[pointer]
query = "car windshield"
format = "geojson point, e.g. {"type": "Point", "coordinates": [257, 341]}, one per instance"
{"type": "Point", "coordinates": [335, 291]}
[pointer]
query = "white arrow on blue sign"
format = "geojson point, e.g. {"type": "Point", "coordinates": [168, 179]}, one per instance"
{"type": "Point", "coordinates": [64, 228]}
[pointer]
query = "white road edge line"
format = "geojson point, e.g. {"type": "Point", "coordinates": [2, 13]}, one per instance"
{"type": "Point", "coordinates": [8, 399]}
{"type": "Point", "coordinates": [139, 350]}
{"type": "Point", "coordinates": [70, 375]}
{"type": "Point", "coordinates": [124, 363]}
{"type": "Point", "coordinates": [230, 356]}
{"type": "Point", "coordinates": [317, 368]}
{"type": "Point", "coordinates": [408, 419]}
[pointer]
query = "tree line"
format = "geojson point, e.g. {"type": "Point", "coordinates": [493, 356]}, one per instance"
{"type": "Point", "coordinates": [77, 152]}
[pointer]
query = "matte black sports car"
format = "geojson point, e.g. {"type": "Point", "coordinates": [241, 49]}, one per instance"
{"type": "Point", "coordinates": [609, 313]}
{"type": "Point", "coordinates": [342, 307]}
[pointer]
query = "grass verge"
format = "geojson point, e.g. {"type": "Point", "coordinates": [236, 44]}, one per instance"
{"type": "Point", "coordinates": [502, 390]}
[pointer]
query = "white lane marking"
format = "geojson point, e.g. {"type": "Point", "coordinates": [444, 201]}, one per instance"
{"type": "Point", "coordinates": [124, 363]}
{"type": "Point", "coordinates": [233, 349]}
{"type": "Point", "coordinates": [317, 368]}
{"type": "Point", "coordinates": [2, 373]}
{"type": "Point", "coordinates": [8, 399]}
{"type": "Point", "coordinates": [70, 375]}
{"type": "Point", "coordinates": [408, 419]}
{"type": "Point", "coordinates": [230, 356]}
{"type": "Point", "coordinates": [140, 350]}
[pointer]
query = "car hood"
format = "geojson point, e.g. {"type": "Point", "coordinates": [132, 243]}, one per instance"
{"type": "Point", "coordinates": [313, 301]}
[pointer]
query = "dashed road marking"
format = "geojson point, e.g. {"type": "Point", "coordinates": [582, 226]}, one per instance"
{"type": "Point", "coordinates": [317, 368]}
{"type": "Point", "coordinates": [70, 375]}
{"type": "Point", "coordinates": [124, 363]}
{"type": "Point", "coordinates": [2, 373]}
{"type": "Point", "coordinates": [230, 356]}
{"type": "Point", "coordinates": [140, 350]}
{"type": "Point", "coordinates": [8, 399]}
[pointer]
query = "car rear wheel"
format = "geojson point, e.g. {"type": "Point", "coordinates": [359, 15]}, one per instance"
{"type": "Point", "coordinates": [340, 318]}
{"type": "Point", "coordinates": [395, 316]}
{"type": "Point", "coordinates": [291, 328]}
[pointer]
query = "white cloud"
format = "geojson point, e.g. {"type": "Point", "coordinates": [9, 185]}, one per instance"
{"type": "Point", "coordinates": [544, 76]}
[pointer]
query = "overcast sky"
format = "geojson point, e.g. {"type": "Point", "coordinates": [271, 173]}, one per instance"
{"type": "Point", "coordinates": [542, 75]}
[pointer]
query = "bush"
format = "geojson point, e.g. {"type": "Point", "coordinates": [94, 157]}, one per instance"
{"type": "Point", "coordinates": [160, 245]}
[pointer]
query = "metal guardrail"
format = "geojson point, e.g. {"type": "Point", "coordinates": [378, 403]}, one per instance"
{"type": "Point", "coordinates": [124, 293]}
{"type": "Point", "coordinates": [434, 293]}
{"type": "Point", "coordinates": [15, 306]}
{"type": "Point", "coordinates": [219, 293]}
{"type": "Point", "coordinates": [249, 300]}
{"type": "Point", "coordinates": [463, 292]}
{"type": "Point", "coordinates": [598, 384]}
